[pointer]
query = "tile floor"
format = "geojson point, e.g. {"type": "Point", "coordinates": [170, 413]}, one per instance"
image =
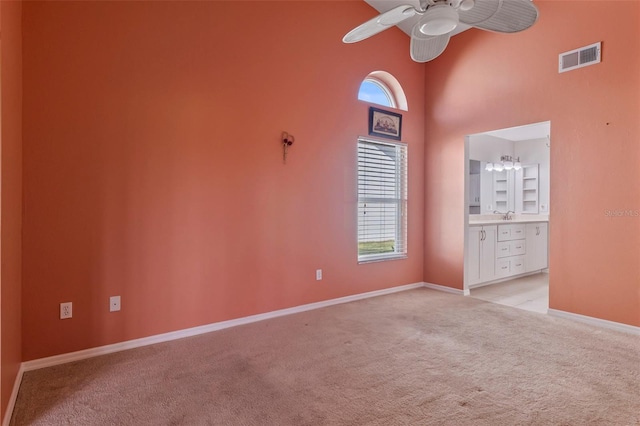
{"type": "Point", "coordinates": [530, 293]}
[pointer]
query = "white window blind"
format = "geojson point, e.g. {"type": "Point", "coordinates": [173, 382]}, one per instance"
{"type": "Point", "coordinates": [382, 200]}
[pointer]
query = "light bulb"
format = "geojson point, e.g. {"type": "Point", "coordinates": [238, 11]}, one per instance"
{"type": "Point", "coordinates": [517, 165]}
{"type": "Point", "coordinates": [498, 167]}
{"type": "Point", "coordinates": [489, 167]}
{"type": "Point", "coordinates": [508, 165]}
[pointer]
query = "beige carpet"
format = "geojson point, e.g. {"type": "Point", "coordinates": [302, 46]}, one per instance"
{"type": "Point", "coordinates": [419, 357]}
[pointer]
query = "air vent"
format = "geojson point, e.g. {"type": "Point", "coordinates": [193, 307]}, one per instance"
{"type": "Point", "coordinates": [579, 58]}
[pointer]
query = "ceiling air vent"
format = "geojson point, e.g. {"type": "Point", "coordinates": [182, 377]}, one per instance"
{"type": "Point", "coordinates": [579, 58]}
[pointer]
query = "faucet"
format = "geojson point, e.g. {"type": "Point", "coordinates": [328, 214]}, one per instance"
{"type": "Point", "coordinates": [505, 216]}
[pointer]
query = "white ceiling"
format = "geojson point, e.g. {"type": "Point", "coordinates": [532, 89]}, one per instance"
{"type": "Point", "coordinates": [406, 26]}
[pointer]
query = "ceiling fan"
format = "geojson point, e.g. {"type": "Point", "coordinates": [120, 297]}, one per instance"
{"type": "Point", "coordinates": [430, 35]}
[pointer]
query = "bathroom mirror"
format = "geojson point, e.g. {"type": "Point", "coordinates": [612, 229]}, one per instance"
{"type": "Point", "coordinates": [507, 190]}
{"type": "Point", "coordinates": [489, 190]}
{"type": "Point", "coordinates": [522, 191]}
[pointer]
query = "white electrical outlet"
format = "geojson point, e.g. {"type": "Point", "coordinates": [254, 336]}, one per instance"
{"type": "Point", "coordinates": [114, 303]}
{"type": "Point", "coordinates": [66, 310]}
{"type": "Point", "coordinates": [318, 274]}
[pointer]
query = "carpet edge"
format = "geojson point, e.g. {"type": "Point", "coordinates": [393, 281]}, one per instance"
{"type": "Point", "coordinates": [207, 328]}
{"type": "Point", "coordinates": [446, 289]}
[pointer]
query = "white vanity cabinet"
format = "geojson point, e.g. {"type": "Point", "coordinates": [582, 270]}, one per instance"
{"type": "Point", "coordinates": [511, 250]}
{"type": "Point", "coordinates": [537, 246]}
{"type": "Point", "coordinates": [482, 253]}
{"type": "Point", "coordinates": [501, 251]}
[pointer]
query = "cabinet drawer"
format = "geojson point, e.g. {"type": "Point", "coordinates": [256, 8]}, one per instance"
{"type": "Point", "coordinates": [517, 231]}
{"type": "Point", "coordinates": [508, 266]}
{"type": "Point", "coordinates": [503, 268]}
{"type": "Point", "coordinates": [517, 247]}
{"type": "Point", "coordinates": [503, 249]}
{"type": "Point", "coordinates": [504, 232]}
{"type": "Point", "coordinates": [511, 232]}
{"type": "Point", "coordinates": [517, 265]}
{"type": "Point", "coordinates": [510, 248]}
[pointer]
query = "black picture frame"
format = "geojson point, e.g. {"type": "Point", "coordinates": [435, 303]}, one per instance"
{"type": "Point", "coordinates": [385, 124]}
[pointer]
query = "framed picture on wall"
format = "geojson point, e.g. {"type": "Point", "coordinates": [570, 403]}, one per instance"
{"type": "Point", "coordinates": [385, 124]}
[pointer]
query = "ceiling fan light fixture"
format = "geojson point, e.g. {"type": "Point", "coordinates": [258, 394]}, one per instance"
{"type": "Point", "coordinates": [467, 5]}
{"type": "Point", "coordinates": [430, 35]}
{"type": "Point", "coordinates": [438, 20]}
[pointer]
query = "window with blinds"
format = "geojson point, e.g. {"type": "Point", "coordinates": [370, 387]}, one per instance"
{"type": "Point", "coordinates": [382, 200]}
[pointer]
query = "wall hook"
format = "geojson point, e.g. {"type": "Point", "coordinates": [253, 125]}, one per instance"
{"type": "Point", "coordinates": [287, 141]}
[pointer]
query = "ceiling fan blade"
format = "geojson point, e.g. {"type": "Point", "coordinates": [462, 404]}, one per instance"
{"type": "Point", "coordinates": [379, 23]}
{"type": "Point", "coordinates": [503, 16]}
{"type": "Point", "coordinates": [424, 48]}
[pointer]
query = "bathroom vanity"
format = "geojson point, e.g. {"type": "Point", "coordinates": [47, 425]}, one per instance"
{"type": "Point", "coordinates": [500, 249]}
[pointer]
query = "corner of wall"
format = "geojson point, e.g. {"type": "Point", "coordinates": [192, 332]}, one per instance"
{"type": "Point", "coordinates": [10, 204]}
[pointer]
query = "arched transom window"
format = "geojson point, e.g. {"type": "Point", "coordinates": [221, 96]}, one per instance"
{"type": "Point", "coordinates": [381, 88]}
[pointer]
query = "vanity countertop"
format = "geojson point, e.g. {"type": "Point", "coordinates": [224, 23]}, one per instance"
{"type": "Point", "coordinates": [494, 219]}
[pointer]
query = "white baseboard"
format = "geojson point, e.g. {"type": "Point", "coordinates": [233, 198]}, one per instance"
{"type": "Point", "coordinates": [174, 335]}
{"type": "Point", "coordinates": [617, 326]}
{"type": "Point", "coordinates": [447, 289]}
{"type": "Point", "coordinates": [13, 397]}
{"type": "Point", "coordinates": [165, 337]}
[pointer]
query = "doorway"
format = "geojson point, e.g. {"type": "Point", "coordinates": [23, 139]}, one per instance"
{"type": "Point", "coordinates": [506, 220]}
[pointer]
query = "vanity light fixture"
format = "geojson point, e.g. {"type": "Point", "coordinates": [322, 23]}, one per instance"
{"type": "Point", "coordinates": [507, 162]}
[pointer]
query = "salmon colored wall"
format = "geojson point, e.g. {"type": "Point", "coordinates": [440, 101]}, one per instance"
{"type": "Point", "coordinates": [153, 163]}
{"type": "Point", "coordinates": [487, 81]}
{"type": "Point", "coordinates": [11, 203]}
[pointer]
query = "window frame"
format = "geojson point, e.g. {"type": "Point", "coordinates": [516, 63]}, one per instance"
{"type": "Point", "coordinates": [399, 199]}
